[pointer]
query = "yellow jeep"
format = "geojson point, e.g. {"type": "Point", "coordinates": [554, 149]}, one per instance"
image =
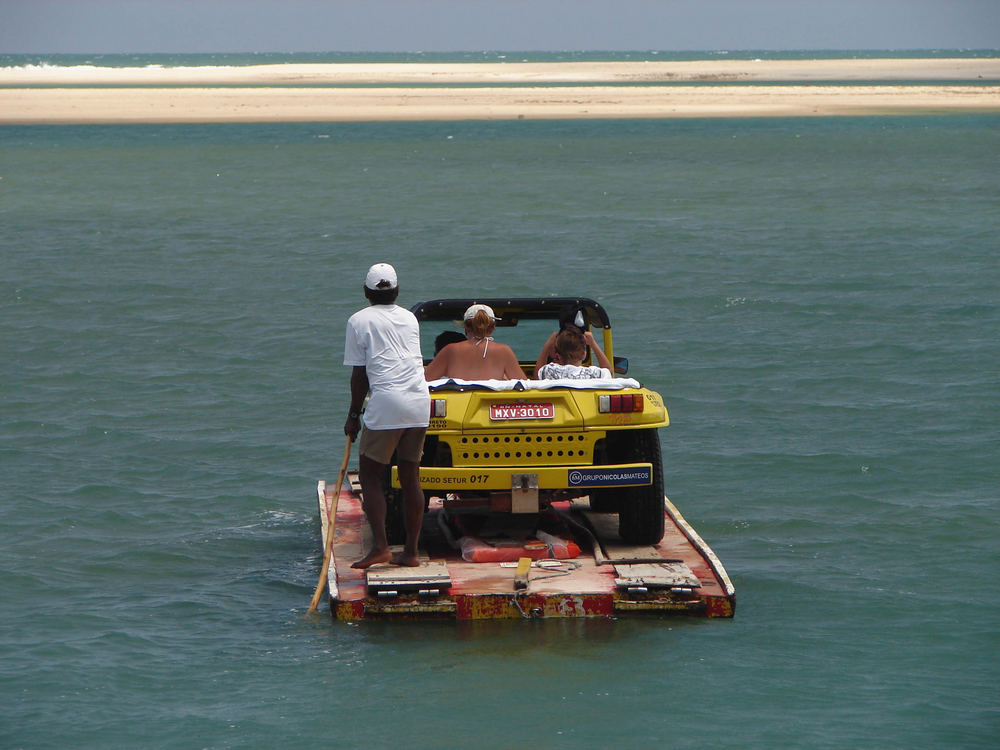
{"type": "Point", "coordinates": [516, 446]}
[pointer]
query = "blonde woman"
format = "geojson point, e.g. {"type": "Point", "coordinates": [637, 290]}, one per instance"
{"type": "Point", "coordinates": [479, 357]}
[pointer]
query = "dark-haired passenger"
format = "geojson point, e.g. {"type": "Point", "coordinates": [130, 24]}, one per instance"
{"type": "Point", "coordinates": [567, 349]}
{"type": "Point", "coordinates": [446, 337]}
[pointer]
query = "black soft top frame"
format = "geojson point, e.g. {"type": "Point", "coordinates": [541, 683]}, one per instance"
{"type": "Point", "coordinates": [513, 309]}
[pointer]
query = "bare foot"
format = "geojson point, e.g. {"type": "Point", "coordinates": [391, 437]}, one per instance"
{"type": "Point", "coordinates": [404, 558]}
{"type": "Point", "coordinates": [373, 558]}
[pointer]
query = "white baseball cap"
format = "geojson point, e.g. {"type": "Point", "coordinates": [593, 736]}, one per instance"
{"type": "Point", "coordinates": [381, 276]}
{"type": "Point", "coordinates": [473, 309]}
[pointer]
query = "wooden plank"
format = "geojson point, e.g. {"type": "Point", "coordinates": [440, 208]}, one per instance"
{"type": "Point", "coordinates": [701, 547]}
{"type": "Point", "coordinates": [605, 526]}
{"type": "Point", "coordinates": [625, 553]}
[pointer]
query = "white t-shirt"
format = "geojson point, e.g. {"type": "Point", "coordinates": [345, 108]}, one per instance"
{"type": "Point", "coordinates": [553, 371]}
{"type": "Point", "coordinates": [385, 339]}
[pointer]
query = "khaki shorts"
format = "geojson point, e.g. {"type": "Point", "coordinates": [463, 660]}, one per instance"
{"type": "Point", "coordinates": [378, 445]}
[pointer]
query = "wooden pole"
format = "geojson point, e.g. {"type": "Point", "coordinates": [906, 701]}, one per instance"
{"type": "Point", "coordinates": [330, 527]}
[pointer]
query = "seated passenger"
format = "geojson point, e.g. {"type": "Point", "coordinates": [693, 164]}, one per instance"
{"type": "Point", "coordinates": [567, 349]}
{"type": "Point", "coordinates": [446, 337]}
{"type": "Point", "coordinates": [478, 357]}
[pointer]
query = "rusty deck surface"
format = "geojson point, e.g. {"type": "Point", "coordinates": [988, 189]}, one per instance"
{"type": "Point", "coordinates": [680, 575]}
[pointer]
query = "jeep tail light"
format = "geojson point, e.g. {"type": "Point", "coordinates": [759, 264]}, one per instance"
{"type": "Point", "coordinates": [439, 407]}
{"type": "Point", "coordinates": [617, 403]}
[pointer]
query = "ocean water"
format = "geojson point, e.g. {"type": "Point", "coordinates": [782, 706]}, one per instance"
{"type": "Point", "coordinates": [817, 300]}
{"type": "Point", "coordinates": [165, 59]}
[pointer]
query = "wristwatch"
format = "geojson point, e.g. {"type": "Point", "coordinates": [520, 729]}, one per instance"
{"type": "Point", "coordinates": [353, 414]}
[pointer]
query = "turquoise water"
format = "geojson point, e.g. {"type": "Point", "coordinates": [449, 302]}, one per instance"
{"type": "Point", "coordinates": [816, 299]}
{"type": "Point", "coordinates": [119, 60]}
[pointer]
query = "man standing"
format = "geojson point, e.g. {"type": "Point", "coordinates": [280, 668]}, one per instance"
{"type": "Point", "coordinates": [383, 346]}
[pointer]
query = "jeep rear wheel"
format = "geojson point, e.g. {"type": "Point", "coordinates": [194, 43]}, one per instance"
{"type": "Point", "coordinates": [640, 509]}
{"type": "Point", "coordinates": [609, 451]}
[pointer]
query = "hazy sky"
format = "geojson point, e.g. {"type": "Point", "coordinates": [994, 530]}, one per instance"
{"type": "Point", "coordinates": [92, 26]}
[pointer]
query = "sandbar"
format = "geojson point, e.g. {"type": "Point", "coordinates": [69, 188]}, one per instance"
{"type": "Point", "coordinates": [456, 91]}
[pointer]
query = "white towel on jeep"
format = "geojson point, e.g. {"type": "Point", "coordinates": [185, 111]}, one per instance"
{"type": "Point", "coordinates": [600, 384]}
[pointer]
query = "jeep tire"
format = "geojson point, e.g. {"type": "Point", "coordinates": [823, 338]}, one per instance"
{"type": "Point", "coordinates": [640, 509]}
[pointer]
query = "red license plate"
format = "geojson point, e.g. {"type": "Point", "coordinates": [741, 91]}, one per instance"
{"type": "Point", "coordinates": [520, 410]}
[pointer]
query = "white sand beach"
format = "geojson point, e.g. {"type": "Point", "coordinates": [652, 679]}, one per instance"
{"type": "Point", "coordinates": [432, 91]}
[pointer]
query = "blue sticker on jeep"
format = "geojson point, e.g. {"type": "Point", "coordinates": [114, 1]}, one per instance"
{"type": "Point", "coordinates": [609, 477]}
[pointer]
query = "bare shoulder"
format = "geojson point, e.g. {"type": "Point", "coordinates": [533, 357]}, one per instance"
{"type": "Point", "coordinates": [504, 351]}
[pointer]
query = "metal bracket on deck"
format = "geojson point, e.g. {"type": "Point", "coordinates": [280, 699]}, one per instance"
{"type": "Point", "coordinates": [524, 493]}
{"type": "Point", "coordinates": [430, 579]}
{"type": "Point", "coordinates": [639, 578]}
{"type": "Point", "coordinates": [660, 587]}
